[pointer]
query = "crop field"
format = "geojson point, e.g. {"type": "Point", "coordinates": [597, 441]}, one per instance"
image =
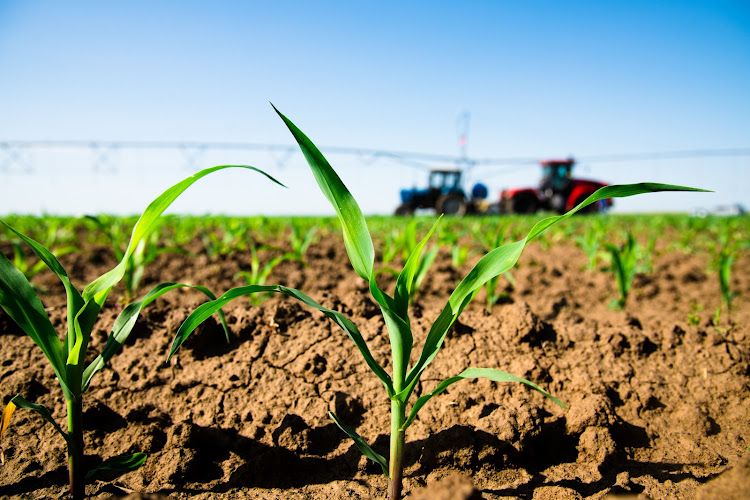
{"type": "Point", "coordinates": [657, 388]}
{"type": "Point", "coordinates": [205, 357]}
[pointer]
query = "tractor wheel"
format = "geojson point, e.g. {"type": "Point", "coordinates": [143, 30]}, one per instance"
{"type": "Point", "coordinates": [594, 208]}
{"type": "Point", "coordinates": [524, 203]}
{"type": "Point", "coordinates": [405, 210]}
{"type": "Point", "coordinates": [451, 204]}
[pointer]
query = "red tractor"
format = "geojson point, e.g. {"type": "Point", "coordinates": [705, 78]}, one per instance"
{"type": "Point", "coordinates": [557, 192]}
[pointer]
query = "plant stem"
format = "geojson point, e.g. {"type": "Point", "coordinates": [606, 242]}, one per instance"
{"type": "Point", "coordinates": [396, 462]}
{"type": "Point", "coordinates": [75, 448]}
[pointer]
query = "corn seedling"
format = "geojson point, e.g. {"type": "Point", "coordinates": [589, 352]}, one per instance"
{"type": "Point", "coordinates": [259, 274]}
{"type": "Point", "coordinates": [646, 254]}
{"type": "Point", "coordinates": [29, 268]}
{"type": "Point", "coordinates": [590, 243]}
{"type": "Point", "coordinates": [723, 248]}
{"type": "Point", "coordinates": [68, 357]}
{"type": "Point", "coordinates": [144, 253]}
{"type": "Point", "coordinates": [459, 254]}
{"type": "Point", "coordinates": [490, 241]}
{"type": "Point", "coordinates": [624, 265]}
{"type": "Point", "coordinates": [392, 245]}
{"type": "Point", "coordinates": [694, 318]}
{"type": "Point", "coordinates": [215, 244]}
{"type": "Point", "coordinates": [726, 259]}
{"type": "Point", "coordinates": [493, 295]}
{"type": "Point", "coordinates": [424, 262]}
{"type": "Point", "coordinates": [301, 242]}
{"type": "Point", "coordinates": [423, 265]}
{"type": "Point", "coordinates": [401, 383]}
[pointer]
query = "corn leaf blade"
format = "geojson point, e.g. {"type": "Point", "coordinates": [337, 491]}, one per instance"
{"type": "Point", "coordinates": [365, 448]}
{"type": "Point", "coordinates": [406, 279]}
{"type": "Point", "coordinates": [356, 235]}
{"type": "Point", "coordinates": [41, 410]}
{"type": "Point", "coordinates": [97, 289]}
{"type": "Point", "coordinates": [22, 304]}
{"type": "Point", "coordinates": [48, 258]}
{"type": "Point", "coordinates": [124, 463]}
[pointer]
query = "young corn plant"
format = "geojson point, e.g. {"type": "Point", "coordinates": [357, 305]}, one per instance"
{"type": "Point", "coordinates": [723, 249]}
{"type": "Point", "coordinates": [491, 289]}
{"type": "Point", "coordinates": [401, 383]}
{"type": "Point", "coordinates": [144, 253]}
{"type": "Point", "coordinates": [216, 244]}
{"type": "Point", "coordinates": [590, 243]}
{"type": "Point", "coordinates": [68, 357]}
{"type": "Point", "coordinates": [624, 265]}
{"type": "Point", "coordinates": [493, 292]}
{"type": "Point", "coordinates": [425, 261]}
{"type": "Point", "coordinates": [259, 274]}
{"type": "Point", "coordinates": [29, 268]}
{"type": "Point", "coordinates": [459, 254]}
{"type": "Point", "coordinates": [300, 242]}
{"type": "Point", "coordinates": [390, 247]}
{"type": "Point", "coordinates": [725, 261]}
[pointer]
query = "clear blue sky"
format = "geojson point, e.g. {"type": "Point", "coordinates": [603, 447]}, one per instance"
{"type": "Point", "coordinates": [541, 79]}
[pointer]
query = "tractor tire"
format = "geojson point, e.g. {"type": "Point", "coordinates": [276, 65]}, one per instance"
{"type": "Point", "coordinates": [404, 210]}
{"type": "Point", "coordinates": [524, 203]}
{"type": "Point", "coordinates": [451, 204]}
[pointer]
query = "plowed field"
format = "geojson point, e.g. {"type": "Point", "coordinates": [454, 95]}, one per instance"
{"type": "Point", "coordinates": [658, 394]}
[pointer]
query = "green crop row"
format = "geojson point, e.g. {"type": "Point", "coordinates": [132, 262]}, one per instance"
{"type": "Point", "coordinates": [621, 244]}
{"type": "Point", "coordinates": [471, 235]}
{"type": "Point", "coordinates": [501, 248]}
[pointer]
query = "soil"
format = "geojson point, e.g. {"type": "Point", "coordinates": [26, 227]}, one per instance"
{"type": "Point", "coordinates": [657, 393]}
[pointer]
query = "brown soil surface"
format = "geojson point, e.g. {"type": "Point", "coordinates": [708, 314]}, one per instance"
{"type": "Point", "coordinates": [658, 398]}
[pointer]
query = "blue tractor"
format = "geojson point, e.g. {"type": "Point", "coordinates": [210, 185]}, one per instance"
{"type": "Point", "coordinates": [444, 194]}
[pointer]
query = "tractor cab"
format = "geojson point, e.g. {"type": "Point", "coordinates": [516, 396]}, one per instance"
{"type": "Point", "coordinates": [556, 174]}
{"type": "Point", "coordinates": [557, 182]}
{"type": "Point", "coordinates": [445, 180]}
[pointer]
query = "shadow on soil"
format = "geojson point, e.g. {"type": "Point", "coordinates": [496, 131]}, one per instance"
{"type": "Point", "coordinates": [263, 466]}
{"type": "Point", "coordinates": [29, 484]}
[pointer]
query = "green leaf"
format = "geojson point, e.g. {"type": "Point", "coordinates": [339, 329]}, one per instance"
{"type": "Point", "coordinates": [356, 236]}
{"type": "Point", "coordinates": [98, 289]}
{"type": "Point", "coordinates": [44, 412]}
{"type": "Point", "coordinates": [424, 266]}
{"type": "Point", "coordinates": [19, 301]}
{"type": "Point", "coordinates": [83, 323]}
{"type": "Point", "coordinates": [126, 321]}
{"type": "Point", "coordinates": [202, 312]}
{"type": "Point", "coordinates": [399, 333]}
{"type": "Point", "coordinates": [361, 254]}
{"type": "Point", "coordinates": [112, 235]}
{"type": "Point", "coordinates": [406, 279]}
{"type": "Point", "coordinates": [48, 259]}
{"type": "Point", "coordinates": [124, 463]}
{"type": "Point", "coordinates": [488, 373]}
{"type": "Point", "coordinates": [365, 448]}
